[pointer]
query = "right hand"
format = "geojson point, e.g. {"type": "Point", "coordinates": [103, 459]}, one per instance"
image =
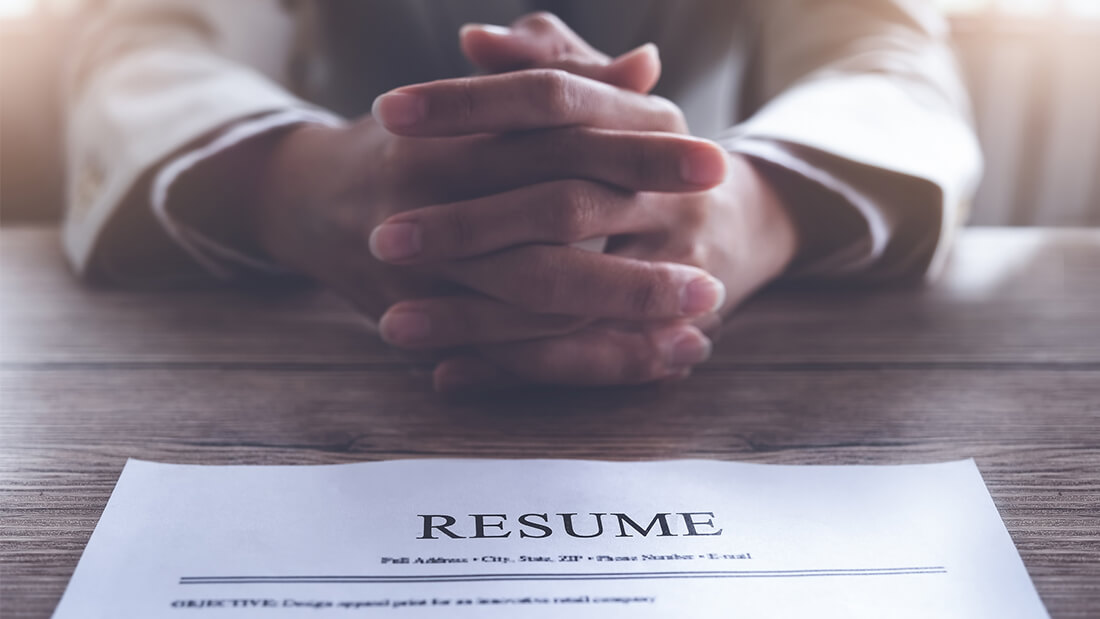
{"type": "Point", "coordinates": [605, 352]}
{"type": "Point", "coordinates": [541, 40]}
{"type": "Point", "coordinates": [524, 137]}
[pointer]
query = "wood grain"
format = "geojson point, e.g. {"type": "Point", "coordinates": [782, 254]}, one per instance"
{"type": "Point", "coordinates": [1000, 361]}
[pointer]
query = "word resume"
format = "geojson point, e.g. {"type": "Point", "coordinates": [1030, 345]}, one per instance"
{"type": "Point", "coordinates": [550, 538]}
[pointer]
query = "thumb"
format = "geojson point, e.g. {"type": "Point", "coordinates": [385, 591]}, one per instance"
{"type": "Point", "coordinates": [546, 42]}
{"type": "Point", "coordinates": [637, 70]}
{"type": "Point", "coordinates": [532, 40]}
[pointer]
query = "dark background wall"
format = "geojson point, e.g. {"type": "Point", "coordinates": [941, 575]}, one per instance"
{"type": "Point", "coordinates": [1035, 84]}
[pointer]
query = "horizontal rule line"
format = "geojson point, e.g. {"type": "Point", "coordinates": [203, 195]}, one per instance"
{"type": "Point", "coordinates": [441, 578]}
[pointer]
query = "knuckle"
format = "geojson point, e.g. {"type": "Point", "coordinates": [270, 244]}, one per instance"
{"type": "Point", "coordinates": [555, 93]}
{"type": "Point", "coordinates": [670, 116]}
{"type": "Point", "coordinates": [465, 101]}
{"type": "Point", "coordinates": [539, 21]}
{"type": "Point", "coordinates": [573, 213]}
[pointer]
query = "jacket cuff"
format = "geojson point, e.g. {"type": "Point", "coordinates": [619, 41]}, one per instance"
{"type": "Point", "coordinates": [850, 254]}
{"type": "Point", "coordinates": [221, 260]}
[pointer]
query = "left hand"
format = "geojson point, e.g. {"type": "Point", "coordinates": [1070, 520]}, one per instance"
{"type": "Point", "coordinates": [739, 232]}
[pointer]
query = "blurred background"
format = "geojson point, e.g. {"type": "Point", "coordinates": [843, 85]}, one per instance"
{"type": "Point", "coordinates": [1033, 67]}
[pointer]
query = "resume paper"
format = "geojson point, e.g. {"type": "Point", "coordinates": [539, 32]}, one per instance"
{"type": "Point", "coordinates": [550, 538]}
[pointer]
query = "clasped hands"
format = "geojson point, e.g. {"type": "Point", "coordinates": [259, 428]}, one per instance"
{"type": "Point", "coordinates": [453, 211]}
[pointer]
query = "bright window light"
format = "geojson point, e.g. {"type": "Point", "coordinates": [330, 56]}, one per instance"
{"type": "Point", "coordinates": [1089, 9]}
{"type": "Point", "coordinates": [965, 6]}
{"type": "Point", "coordinates": [11, 9]}
{"type": "Point", "coordinates": [1026, 7]}
{"type": "Point", "coordinates": [1084, 8]}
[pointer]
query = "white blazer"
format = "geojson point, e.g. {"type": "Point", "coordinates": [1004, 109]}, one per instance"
{"type": "Point", "coordinates": [860, 96]}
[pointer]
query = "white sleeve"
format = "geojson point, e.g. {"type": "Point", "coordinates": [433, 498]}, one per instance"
{"type": "Point", "coordinates": [148, 79]}
{"type": "Point", "coordinates": [221, 261]}
{"type": "Point", "coordinates": [864, 100]}
{"type": "Point", "coordinates": [878, 224]}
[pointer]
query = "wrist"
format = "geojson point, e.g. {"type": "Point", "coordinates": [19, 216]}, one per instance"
{"type": "Point", "coordinates": [823, 221]}
{"type": "Point", "coordinates": [295, 172]}
{"type": "Point", "coordinates": [314, 209]}
{"type": "Point", "coordinates": [216, 196]}
{"type": "Point", "coordinates": [275, 184]}
{"type": "Point", "coordinates": [771, 226]}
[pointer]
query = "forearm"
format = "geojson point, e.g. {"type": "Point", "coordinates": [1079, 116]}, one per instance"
{"type": "Point", "coordinates": [147, 86]}
{"type": "Point", "coordinates": [865, 110]}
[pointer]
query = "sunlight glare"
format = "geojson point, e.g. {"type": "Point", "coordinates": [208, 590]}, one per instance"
{"type": "Point", "coordinates": [16, 8]}
{"type": "Point", "coordinates": [1084, 8]}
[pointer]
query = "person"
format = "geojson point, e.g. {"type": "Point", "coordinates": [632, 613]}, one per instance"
{"type": "Point", "coordinates": [564, 204]}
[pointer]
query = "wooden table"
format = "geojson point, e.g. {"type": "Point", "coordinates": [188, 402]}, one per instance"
{"type": "Point", "coordinates": [1000, 361]}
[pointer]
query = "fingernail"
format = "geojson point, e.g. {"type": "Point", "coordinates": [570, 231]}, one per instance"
{"type": "Point", "coordinates": [644, 49]}
{"type": "Point", "coordinates": [405, 327]}
{"type": "Point", "coordinates": [500, 31]}
{"type": "Point", "coordinates": [702, 166]}
{"type": "Point", "coordinates": [702, 295]}
{"type": "Point", "coordinates": [397, 241]}
{"type": "Point", "coordinates": [399, 109]}
{"type": "Point", "coordinates": [686, 348]}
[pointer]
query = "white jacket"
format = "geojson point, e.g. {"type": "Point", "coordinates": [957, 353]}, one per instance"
{"type": "Point", "coordinates": [860, 96]}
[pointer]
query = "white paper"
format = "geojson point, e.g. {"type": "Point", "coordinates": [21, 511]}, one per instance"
{"type": "Point", "coordinates": [349, 541]}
